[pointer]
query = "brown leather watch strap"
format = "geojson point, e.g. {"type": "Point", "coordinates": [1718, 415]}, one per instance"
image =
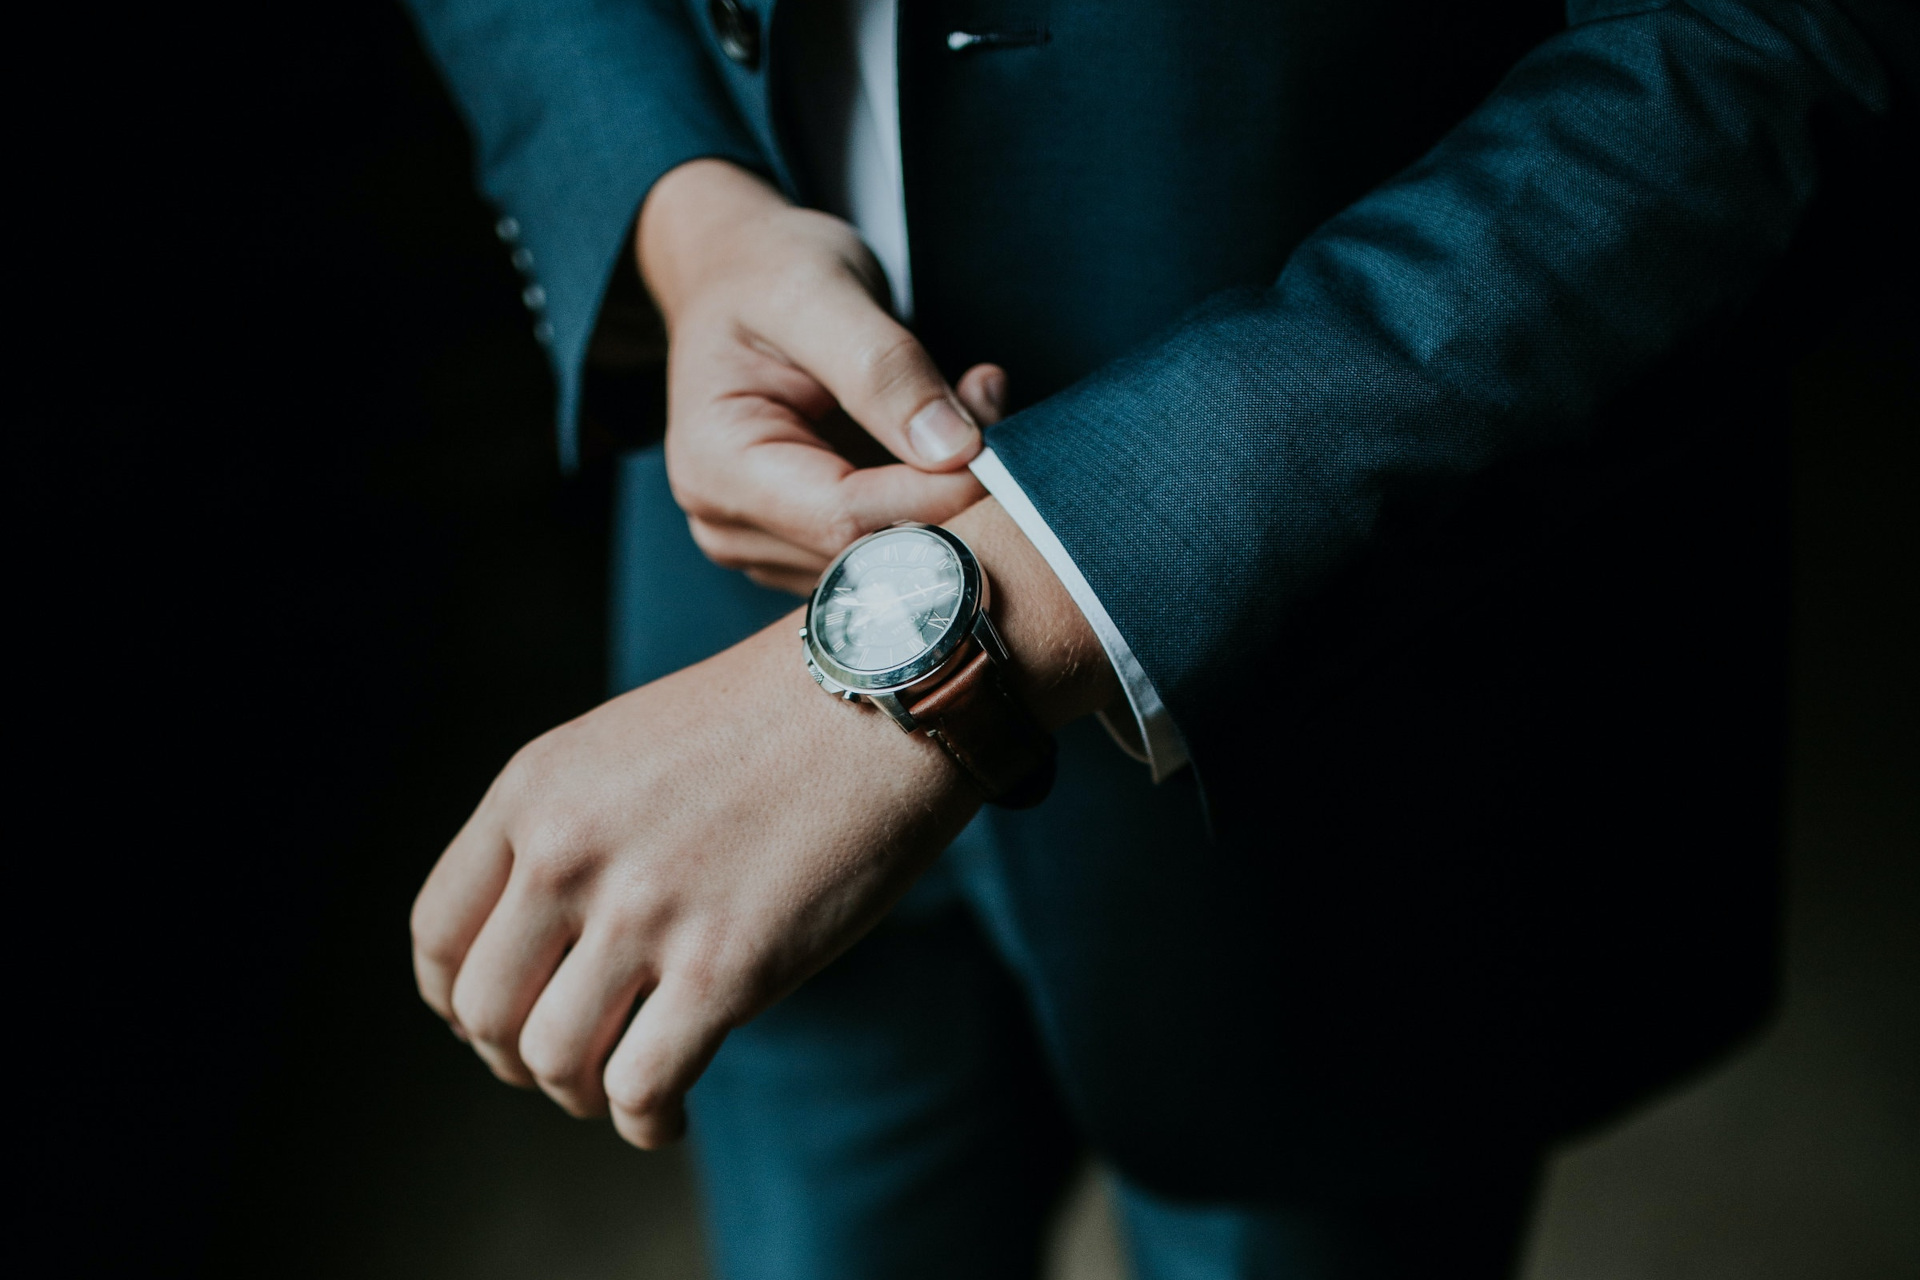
{"type": "Point", "coordinates": [989, 734]}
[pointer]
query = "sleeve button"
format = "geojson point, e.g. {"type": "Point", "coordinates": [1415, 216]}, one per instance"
{"type": "Point", "coordinates": [738, 30]}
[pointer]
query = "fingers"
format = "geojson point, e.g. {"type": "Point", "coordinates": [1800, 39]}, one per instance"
{"type": "Point", "coordinates": [983, 389]}
{"type": "Point", "coordinates": [577, 1019]}
{"type": "Point", "coordinates": [876, 497]}
{"type": "Point", "coordinates": [797, 584]}
{"type": "Point", "coordinates": [673, 1037]}
{"type": "Point", "coordinates": [454, 904]}
{"type": "Point", "coordinates": [739, 546]}
{"type": "Point", "coordinates": [509, 963]}
{"type": "Point", "coordinates": [876, 369]}
{"type": "Point", "coordinates": [803, 495]}
{"type": "Point", "coordinates": [764, 491]}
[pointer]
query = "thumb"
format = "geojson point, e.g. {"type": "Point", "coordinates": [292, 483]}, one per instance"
{"type": "Point", "coordinates": [878, 371]}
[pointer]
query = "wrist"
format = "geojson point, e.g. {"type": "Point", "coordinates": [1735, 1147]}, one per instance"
{"type": "Point", "coordinates": [907, 768]}
{"type": "Point", "coordinates": [962, 634]}
{"type": "Point", "coordinates": [694, 221]}
{"type": "Point", "coordinates": [1059, 671]}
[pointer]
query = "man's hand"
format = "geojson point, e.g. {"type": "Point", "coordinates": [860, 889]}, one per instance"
{"type": "Point", "coordinates": [705, 842]}
{"type": "Point", "coordinates": [784, 370]}
{"type": "Point", "coordinates": [701, 846]}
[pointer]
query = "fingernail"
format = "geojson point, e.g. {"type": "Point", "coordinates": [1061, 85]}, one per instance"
{"type": "Point", "coordinates": [941, 430]}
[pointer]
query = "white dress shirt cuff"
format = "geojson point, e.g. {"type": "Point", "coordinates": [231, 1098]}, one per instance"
{"type": "Point", "coordinates": [1158, 744]}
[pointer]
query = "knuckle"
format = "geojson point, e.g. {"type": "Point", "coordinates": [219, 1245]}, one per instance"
{"type": "Point", "coordinates": [891, 362]}
{"type": "Point", "coordinates": [432, 976]}
{"type": "Point", "coordinates": [726, 981]}
{"type": "Point", "coordinates": [640, 914]}
{"type": "Point", "coordinates": [797, 284]}
{"type": "Point", "coordinates": [504, 1068]}
{"type": "Point", "coordinates": [633, 1131]}
{"type": "Point", "coordinates": [704, 535]}
{"type": "Point", "coordinates": [556, 846]}
{"type": "Point", "coordinates": [435, 972]}
{"type": "Point", "coordinates": [527, 775]}
{"type": "Point", "coordinates": [482, 1024]}
{"type": "Point", "coordinates": [689, 487]}
{"type": "Point", "coordinates": [715, 545]}
{"type": "Point", "coordinates": [420, 929]}
{"type": "Point", "coordinates": [555, 859]}
{"type": "Point", "coordinates": [434, 947]}
{"type": "Point", "coordinates": [555, 1065]}
{"type": "Point", "coordinates": [840, 529]}
{"type": "Point", "coordinates": [574, 1104]}
{"type": "Point", "coordinates": [637, 1095]}
{"type": "Point", "coordinates": [652, 1133]}
{"type": "Point", "coordinates": [703, 974]}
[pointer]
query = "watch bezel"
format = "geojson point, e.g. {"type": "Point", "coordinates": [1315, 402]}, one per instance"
{"type": "Point", "coordinates": [973, 589]}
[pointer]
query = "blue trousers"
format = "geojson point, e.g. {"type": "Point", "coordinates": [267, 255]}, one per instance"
{"type": "Point", "coordinates": [1079, 975]}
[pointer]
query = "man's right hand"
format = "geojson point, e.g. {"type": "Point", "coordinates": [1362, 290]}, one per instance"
{"type": "Point", "coordinates": [777, 330]}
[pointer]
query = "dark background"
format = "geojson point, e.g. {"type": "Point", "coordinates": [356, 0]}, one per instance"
{"type": "Point", "coordinates": [296, 573]}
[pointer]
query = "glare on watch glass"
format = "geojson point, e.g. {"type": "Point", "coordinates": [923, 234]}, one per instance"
{"type": "Point", "coordinates": [890, 601]}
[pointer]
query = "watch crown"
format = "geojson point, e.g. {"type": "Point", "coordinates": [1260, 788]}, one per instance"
{"type": "Point", "coordinates": [803, 633]}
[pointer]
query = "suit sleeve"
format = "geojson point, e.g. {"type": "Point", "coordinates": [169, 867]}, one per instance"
{"type": "Point", "coordinates": [1629, 181]}
{"type": "Point", "coordinates": [577, 107]}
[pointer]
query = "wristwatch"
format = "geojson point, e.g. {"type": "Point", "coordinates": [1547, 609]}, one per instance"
{"type": "Point", "coordinates": [900, 620]}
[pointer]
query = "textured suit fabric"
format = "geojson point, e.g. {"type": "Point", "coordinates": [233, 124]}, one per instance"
{"type": "Point", "coordinates": [1405, 380]}
{"type": "Point", "coordinates": [1095, 970]}
{"type": "Point", "coordinates": [1629, 182]}
{"type": "Point", "coordinates": [577, 107]}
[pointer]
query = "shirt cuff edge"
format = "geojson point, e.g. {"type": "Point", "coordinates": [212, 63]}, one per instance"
{"type": "Point", "coordinates": [1166, 750]}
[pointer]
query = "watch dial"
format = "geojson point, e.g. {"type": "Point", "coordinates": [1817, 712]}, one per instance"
{"type": "Point", "coordinates": [890, 601]}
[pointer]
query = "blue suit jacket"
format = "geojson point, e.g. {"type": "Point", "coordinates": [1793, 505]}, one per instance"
{"type": "Point", "coordinates": [1403, 377]}
{"type": "Point", "coordinates": [1287, 263]}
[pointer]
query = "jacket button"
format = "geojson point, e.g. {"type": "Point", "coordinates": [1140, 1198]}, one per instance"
{"type": "Point", "coordinates": [738, 29]}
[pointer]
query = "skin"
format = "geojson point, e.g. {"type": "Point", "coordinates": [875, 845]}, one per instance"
{"type": "Point", "coordinates": [779, 335]}
{"type": "Point", "coordinates": [702, 845]}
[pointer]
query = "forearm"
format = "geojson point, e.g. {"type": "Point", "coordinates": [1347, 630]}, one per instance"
{"type": "Point", "coordinates": [1629, 184]}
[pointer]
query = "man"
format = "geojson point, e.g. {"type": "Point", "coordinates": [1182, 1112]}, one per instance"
{"type": "Point", "coordinates": [1392, 435]}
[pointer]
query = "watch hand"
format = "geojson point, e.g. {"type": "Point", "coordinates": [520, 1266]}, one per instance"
{"type": "Point", "coordinates": [910, 595]}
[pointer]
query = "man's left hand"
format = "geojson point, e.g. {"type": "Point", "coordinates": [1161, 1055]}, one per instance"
{"type": "Point", "coordinates": [701, 846]}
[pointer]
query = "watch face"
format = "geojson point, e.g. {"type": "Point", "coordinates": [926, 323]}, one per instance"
{"type": "Point", "coordinates": [893, 599]}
